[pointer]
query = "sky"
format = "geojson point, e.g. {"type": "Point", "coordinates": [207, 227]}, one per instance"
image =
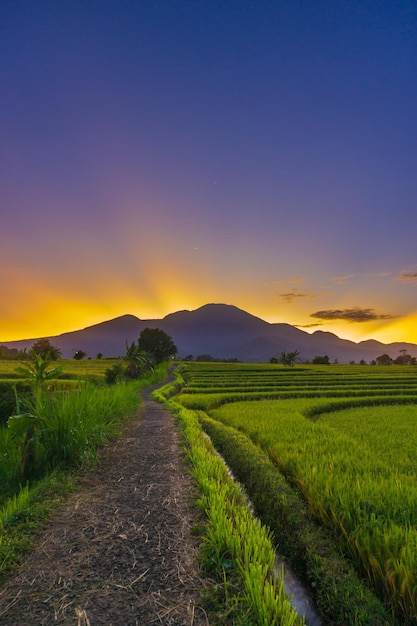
{"type": "Point", "coordinates": [160, 155]}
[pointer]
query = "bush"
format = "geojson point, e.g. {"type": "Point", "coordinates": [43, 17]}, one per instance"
{"type": "Point", "coordinates": [114, 374]}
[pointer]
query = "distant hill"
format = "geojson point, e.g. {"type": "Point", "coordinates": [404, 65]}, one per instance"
{"type": "Point", "coordinates": [223, 331]}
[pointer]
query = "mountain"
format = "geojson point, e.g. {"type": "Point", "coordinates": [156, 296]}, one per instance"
{"type": "Point", "coordinates": [222, 331]}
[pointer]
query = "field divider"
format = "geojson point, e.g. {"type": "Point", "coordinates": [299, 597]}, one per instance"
{"type": "Point", "coordinates": [237, 547]}
{"type": "Point", "coordinates": [341, 597]}
{"type": "Point", "coordinates": [300, 597]}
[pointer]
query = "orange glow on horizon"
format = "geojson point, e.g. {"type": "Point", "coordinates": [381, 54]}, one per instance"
{"type": "Point", "coordinates": [56, 315]}
{"type": "Point", "coordinates": [47, 304]}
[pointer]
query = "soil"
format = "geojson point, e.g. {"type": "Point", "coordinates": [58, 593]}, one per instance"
{"type": "Point", "coordinates": [120, 551]}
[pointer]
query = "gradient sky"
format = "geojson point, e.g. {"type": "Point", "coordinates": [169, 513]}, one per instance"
{"type": "Point", "coordinates": [160, 155]}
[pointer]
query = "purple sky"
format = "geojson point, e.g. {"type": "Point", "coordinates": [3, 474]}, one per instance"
{"type": "Point", "coordinates": [156, 156]}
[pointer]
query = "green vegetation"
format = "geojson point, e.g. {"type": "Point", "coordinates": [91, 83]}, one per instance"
{"type": "Point", "coordinates": [38, 370]}
{"type": "Point", "coordinates": [238, 550]}
{"type": "Point", "coordinates": [45, 349]}
{"type": "Point", "coordinates": [154, 347]}
{"type": "Point", "coordinates": [334, 437]}
{"type": "Point", "coordinates": [156, 342]}
{"type": "Point", "coordinates": [19, 376]}
{"type": "Point", "coordinates": [55, 431]}
{"type": "Point", "coordinates": [326, 454]}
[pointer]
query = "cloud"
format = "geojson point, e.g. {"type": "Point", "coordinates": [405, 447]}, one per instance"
{"type": "Point", "coordinates": [287, 284]}
{"type": "Point", "coordinates": [343, 280]}
{"type": "Point", "coordinates": [290, 296]}
{"type": "Point", "coordinates": [356, 314]}
{"type": "Point", "coordinates": [407, 276]}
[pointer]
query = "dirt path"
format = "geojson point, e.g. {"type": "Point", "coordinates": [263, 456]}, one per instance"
{"type": "Point", "coordinates": [120, 551]}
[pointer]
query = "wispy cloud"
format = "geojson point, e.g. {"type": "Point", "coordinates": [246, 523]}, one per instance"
{"type": "Point", "coordinates": [407, 276]}
{"type": "Point", "coordinates": [343, 280]}
{"type": "Point", "coordinates": [347, 278]}
{"type": "Point", "coordinates": [290, 296]}
{"type": "Point", "coordinates": [356, 314]}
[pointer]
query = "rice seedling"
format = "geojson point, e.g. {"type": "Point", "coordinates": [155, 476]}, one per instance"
{"type": "Point", "coordinates": [349, 477]}
{"type": "Point", "coordinates": [351, 471]}
{"type": "Point", "coordinates": [236, 544]}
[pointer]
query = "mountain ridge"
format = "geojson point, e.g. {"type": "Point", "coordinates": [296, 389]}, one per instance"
{"type": "Point", "coordinates": [221, 330]}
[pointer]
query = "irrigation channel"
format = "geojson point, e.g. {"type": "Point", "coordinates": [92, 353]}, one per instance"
{"type": "Point", "coordinates": [294, 588]}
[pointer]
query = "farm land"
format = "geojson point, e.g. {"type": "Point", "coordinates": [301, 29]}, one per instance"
{"type": "Point", "coordinates": [328, 457]}
{"type": "Point", "coordinates": [72, 369]}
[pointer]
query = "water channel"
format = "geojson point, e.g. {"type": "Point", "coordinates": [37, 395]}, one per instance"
{"type": "Point", "coordinates": [296, 591]}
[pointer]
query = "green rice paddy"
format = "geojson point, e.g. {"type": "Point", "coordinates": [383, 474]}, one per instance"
{"type": "Point", "coordinates": [345, 438]}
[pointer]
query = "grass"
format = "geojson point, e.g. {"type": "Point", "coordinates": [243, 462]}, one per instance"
{"type": "Point", "coordinates": [369, 503]}
{"type": "Point", "coordinates": [23, 516]}
{"type": "Point", "coordinates": [237, 548]}
{"type": "Point", "coordinates": [350, 471]}
{"type": "Point", "coordinates": [70, 367]}
{"type": "Point", "coordinates": [390, 431]}
{"type": "Point", "coordinates": [74, 425]}
{"type": "Point", "coordinates": [337, 590]}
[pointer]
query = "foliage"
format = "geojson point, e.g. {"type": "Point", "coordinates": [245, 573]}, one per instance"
{"type": "Point", "coordinates": [343, 598]}
{"type": "Point", "coordinates": [52, 429]}
{"type": "Point", "coordinates": [358, 478]}
{"type": "Point", "coordinates": [22, 515]}
{"type": "Point", "coordinates": [13, 353]}
{"type": "Point", "coordinates": [74, 426]}
{"type": "Point", "coordinates": [24, 429]}
{"type": "Point", "coordinates": [321, 360]}
{"type": "Point", "coordinates": [45, 349]}
{"type": "Point", "coordinates": [405, 359]}
{"type": "Point", "coordinates": [289, 358]}
{"type": "Point", "coordinates": [138, 360]}
{"type": "Point", "coordinates": [158, 343]}
{"type": "Point", "coordinates": [384, 359]}
{"type": "Point", "coordinates": [114, 374]}
{"type": "Point", "coordinates": [237, 548]}
{"type": "Point", "coordinates": [66, 428]}
{"type": "Point", "coordinates": [91, 370]}
{"type": "Point", "coordinates": [79, 355]}
{"type": "Point", "coordinates": [8, 391]}
{"type": "Point", "coordinates": [370, 505]}
{"type": "Point", "coordinates": [38, 370]}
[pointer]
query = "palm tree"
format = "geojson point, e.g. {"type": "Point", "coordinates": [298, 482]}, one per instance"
{"type": "Point", "coordinates": [138, 361]}
{"type": "Point", "coordinates": [37, 371]}
{"type": "Point", "coordinates": [289, 358]}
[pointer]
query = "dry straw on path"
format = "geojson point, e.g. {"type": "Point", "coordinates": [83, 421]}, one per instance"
{"type": "Point", "coordinates": [120, 550]}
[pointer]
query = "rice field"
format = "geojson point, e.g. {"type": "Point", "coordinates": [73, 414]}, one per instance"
{"type": "Point", "coordinates": [70, 367]}
{"type": "Point", "coordinates": [345, 438]}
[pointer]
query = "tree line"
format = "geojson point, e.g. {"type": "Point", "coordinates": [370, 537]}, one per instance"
{"type": "Point", "coordinates": [153, 347]}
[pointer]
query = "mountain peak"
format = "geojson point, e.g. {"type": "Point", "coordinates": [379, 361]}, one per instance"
{"type": "Point", "coordinates": [220, 330]}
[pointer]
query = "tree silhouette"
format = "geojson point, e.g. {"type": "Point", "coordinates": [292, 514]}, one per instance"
{"type": "Point", "coordinates": [156, 342]}
{"type": "Point", "coordinates": [289, 358]}
{"type": "Point", "coordinates": [45, 349]}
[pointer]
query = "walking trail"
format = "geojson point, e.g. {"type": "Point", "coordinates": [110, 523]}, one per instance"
{"type": "Point", "coordinates": [120, 551]}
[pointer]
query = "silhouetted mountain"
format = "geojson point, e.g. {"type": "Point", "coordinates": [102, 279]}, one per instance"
{"type": "Point", "coordinates": [223, 331]}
